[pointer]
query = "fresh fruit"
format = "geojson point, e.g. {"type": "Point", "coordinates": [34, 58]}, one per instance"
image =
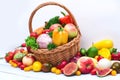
{"type": "Point", "coordinates": [71, 29]}
{"type": "Point", "coordinates": [37, 66]}
{"type": "Point", "coordinates": [39, 30]}
{"type": "Point", "coordinates": [62, 64]}
{"type": "Point", "coordinates": [92, 52]}
{"type": "Point", "coordinates": [83, 51]}
{"type": "Point", "coordinates": [34, 34]}
{"type": "Point", "coordinates": [13, 63]}
{"type": "Point", "coordinates": [52, 27]}
{"type": "Point", "coordinates": [93, 72]}
{"type": "Point", "coordinates": [53, 69]}
{"type": "Point", "coordinates": [104, 44]}
{"type": "Point", "coordinates": [70, 68]}
{"type": "Point", "coordinates": [46, 67]}
{"type": "Point", "coordinates": [58, 71]}
{"type": "Point", "coordinates": [46, 31]}
{"type": "Point", "coordinates": [59, 36]}
{"type": "Point", "coordinates": [28, 60]}
{"type": "Point", "coordinates": [104, 52]}
{"type": "Point", "coordinates": [104, 64]}
{"type": "Point", "coordinates": [85, 64]}
{"type": "Point", "coordinates": [66, 19]}
{"type": "Point", "coordinates": [78, 73]}
{"type": "Point", "coordinates": [115, 56]}
{"type": "Point", "coordinates": [103, 72]}
{"type": "Point", "coordinates": [116, 66]}
{"type": "Point", "coordinates": [18, 56]}
{"type": "Point", "coordinates": [113, 72]}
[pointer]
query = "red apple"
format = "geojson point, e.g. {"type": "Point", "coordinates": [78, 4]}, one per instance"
{"type": "Point", "coordinates": [72, 31]}
{"type": "Point", "coordinates": [85, 64]}
{"type": "Point", "coordinates": [28, 60]}
{"type": "Point", "coordinates": [52, 27]}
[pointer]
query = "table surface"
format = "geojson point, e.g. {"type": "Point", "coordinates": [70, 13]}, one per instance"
{"type": "Point", "coordinates": [97, 19]}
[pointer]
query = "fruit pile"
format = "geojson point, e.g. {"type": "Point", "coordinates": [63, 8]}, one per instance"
{"type": "Point", "coordinates": [100, 59]}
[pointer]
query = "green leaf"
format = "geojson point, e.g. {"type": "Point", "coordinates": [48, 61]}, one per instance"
{"type": "Point", "coordinates": [51, 46]}
{"type": "Point", "coordinates": [52, 21]}
{"type": "Point", "coordinates": [31, 42]}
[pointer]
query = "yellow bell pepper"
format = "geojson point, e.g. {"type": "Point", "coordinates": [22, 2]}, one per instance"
{"type": "Point", "coordinates": [104, 52]}
{"type": "Point", "coordinates": [59, 36]}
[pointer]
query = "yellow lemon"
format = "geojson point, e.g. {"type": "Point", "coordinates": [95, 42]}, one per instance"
{"type": "Point", "coordinates": [37, 66]}
{"type": "Point", "coordinates": [104, 52]}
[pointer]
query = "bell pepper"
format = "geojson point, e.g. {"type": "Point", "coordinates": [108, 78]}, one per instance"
{"type": "Point", "coordinates": [59, 36]}
{"type": "Point", "coordinates": [104, 52]}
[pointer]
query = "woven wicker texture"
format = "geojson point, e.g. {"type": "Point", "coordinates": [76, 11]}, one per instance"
{"type": "Point", "coordinates": [63, 52]}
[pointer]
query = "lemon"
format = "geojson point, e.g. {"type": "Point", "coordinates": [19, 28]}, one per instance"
{"type": "Point", "coordinates": [37, 66]}
{"type": "Point", "coordinates": [104, 52]}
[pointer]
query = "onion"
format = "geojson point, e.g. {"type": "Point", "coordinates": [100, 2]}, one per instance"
{"type": "Point", "coordinates": [43, 40]}
{"type": "Point", "coordinates": [104, 64]}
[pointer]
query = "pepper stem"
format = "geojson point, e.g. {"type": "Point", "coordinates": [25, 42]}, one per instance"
{"type": "Point", "coordinates": [60, 29]}
{"type": "Point", "coordinates": [63, 13]}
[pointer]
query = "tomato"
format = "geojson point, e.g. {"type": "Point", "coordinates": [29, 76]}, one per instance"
{"type": "Point", "coordinates": [23, 45]}
{"type": "Point", "coordinates": [9, 56]}
{"type": "Point", "coordinates": [93, 72]}
{"type": "Point", "coordinates": [62, 64]}
{"type": "Point", "coordinates": [46, 31]}
{"type": "Point", "coordinates": [34, 34]}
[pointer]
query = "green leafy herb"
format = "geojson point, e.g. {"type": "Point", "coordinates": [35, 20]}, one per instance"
{"type": "Point", "coordinates": [31, 42]}
{"type": "Point", "coordinates": [52, 21]}
{"type": "Point", "coordinates": [51, 46]}
{"type": "Point", "coordinates": [50, 34]}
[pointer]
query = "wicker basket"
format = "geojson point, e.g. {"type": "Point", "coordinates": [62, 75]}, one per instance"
{"type": "Point", "coordinates": [64, 52]}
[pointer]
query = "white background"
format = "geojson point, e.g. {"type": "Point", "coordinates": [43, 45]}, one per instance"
{"type": "Point", "coordinates": [97, 19]}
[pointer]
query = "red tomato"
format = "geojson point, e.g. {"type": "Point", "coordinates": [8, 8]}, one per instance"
{"type": "Point", "coordinates": [23, 45]}
{"type": "Point", "coordinates": [7, 58]}
{"type": "Point", "coordinates": [34, 34]}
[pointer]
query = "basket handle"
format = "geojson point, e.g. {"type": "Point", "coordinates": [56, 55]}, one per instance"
{"type": "Point", "coordinates": [46, 4]}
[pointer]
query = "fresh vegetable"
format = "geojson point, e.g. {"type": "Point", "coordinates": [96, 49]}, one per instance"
{"type": "Point", "coordinates": [28, 68]}
{"type": "Point", "coordinates": [104, 64]}
{"type": "Point", "coordinates": [23, 45]}
{"type": "Point", "coordinates": [52, 21]}
{"type": "Point", "coordinates": [46, 31]}
{"type": "Point", "coordinates": [13, 63]}
{"type": "Point", "coordinates": [31, 42]}
{"type": "Point", "coordinates": [9, 56]}
{"type": "Point", "coordinates": [113, 50]}
{"type": "Point", "coordinates": [98, 58]}
{"type": "Point", "coordinates": [22, 66]}
{"type": "Point", "coordinates": [66, 19]}
{"type": "Point", "coordinates": [34, 34]}
{"type": "Point", "coordinates": [60, 36]}
{"type": "Point", "coordinates": [50, 34]}
{"type": "Point", "coordinates": [19, 56]}
{"type": "Point", "coordinates": [104, 44]}
{"type": "Point", "coordinates": [51, 46]}
{"type": "Point", "coordinates": [62, 64]}
{"type": "Point", "coordinates": [104, 52]}
{"type": "Point", "coordinates": [37, 66]}
{"type": "Point", "coordinates": [92, 52]}
{"type": "Point", "coordinates": [43, 40]}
